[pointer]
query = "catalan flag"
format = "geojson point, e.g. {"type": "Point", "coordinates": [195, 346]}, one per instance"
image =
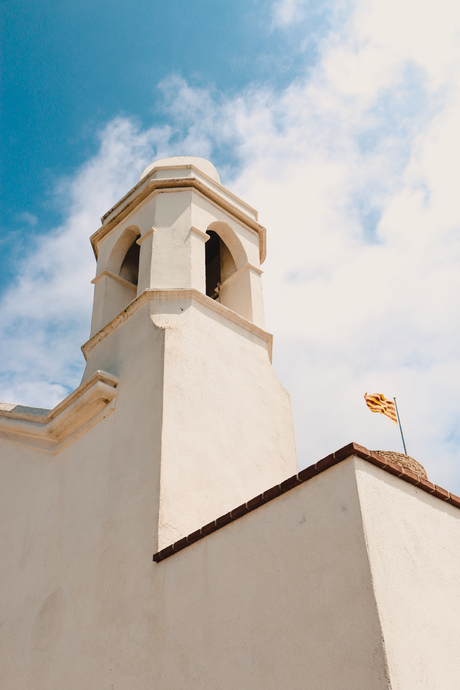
{"type": "Point", "coordinates": [378, 403]}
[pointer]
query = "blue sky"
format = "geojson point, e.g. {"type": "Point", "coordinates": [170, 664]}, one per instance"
{"type": "Point", "coordinates": [338, 120]}
{"type": "Point", "coordinates": [70, 67]}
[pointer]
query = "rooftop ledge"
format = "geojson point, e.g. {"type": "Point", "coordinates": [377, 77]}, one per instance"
{"type": "Point", "coordinates": [52, 430]}
{"type": "Point", "coordinates": [352, 449]}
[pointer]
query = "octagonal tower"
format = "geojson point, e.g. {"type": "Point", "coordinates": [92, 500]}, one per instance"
{"type": "Point", "coordinates": [178, 317]}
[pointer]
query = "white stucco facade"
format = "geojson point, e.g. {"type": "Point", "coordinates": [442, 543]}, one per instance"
{"type": "Point", "coordinates": [349, 580]}
{"type": "Point", "coordinates": [413, 542]}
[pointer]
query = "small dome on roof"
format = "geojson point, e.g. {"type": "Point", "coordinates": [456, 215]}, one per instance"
{"type": "Point", "coordinates": [405, 461]}
{"type": "Point", "coordinates": [201, 163]}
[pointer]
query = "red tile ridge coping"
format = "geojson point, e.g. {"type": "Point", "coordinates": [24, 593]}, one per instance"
{"type": "Point", "coordinates": [303, 476]}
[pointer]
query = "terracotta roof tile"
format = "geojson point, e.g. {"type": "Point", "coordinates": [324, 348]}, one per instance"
{"type": "Point", "coordinates": [304, 476]}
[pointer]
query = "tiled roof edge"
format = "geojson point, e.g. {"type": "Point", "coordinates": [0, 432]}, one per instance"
{"type": "Point", "coordinates": [303, 476]}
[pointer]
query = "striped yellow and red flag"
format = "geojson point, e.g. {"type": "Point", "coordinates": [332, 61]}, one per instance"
{"type": "Point", "coordinates": [378, 403]}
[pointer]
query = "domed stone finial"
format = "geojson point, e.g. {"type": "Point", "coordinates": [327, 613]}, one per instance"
{"type": "Point", "coordinates": [405, 461]}
{"type": "Point", "coordinates": [201, 164]}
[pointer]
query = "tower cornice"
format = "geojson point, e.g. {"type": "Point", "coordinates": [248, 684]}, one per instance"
{"type": "Point", "coordinates": [197, 180]}
{"type": "Point", "coordinates": [179, 294]}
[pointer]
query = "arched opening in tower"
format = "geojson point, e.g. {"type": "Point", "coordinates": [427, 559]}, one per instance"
{"type": "Point", "coordinates": [213, 268]}
{"type": "Point", "coordinates": [220, 266]}
{"type": "Point", "coordinates": [130, 267]}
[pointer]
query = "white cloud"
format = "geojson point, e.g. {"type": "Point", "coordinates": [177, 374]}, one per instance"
{"type": "Point", "coordinates": [364, 313]}
{"type": "Point", "coordinates": [354, 169]}
{"type": "Point", "coordinates": [45, 314]}
{"type": "Point", "coordinates": [285, 12]}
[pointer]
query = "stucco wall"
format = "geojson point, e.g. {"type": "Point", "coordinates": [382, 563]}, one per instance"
{"type": "Point", "coordinates": [79, 527]}
{"type": "Point", "coordinates": [280, 598]}
{"type": "Point", "coordinates": [414, 547]}
{"type": "Point", "coordinates": [348, 581]}
{"type": "Point", "coordinates": [227, 422]}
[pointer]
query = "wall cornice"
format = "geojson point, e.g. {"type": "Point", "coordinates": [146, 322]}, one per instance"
{"type": "Point", "coordinates": [179, 294]}
{"type": "Point", "coordinates": [52, 430]}
{"type": "Point", "coordinates": [148, 186]}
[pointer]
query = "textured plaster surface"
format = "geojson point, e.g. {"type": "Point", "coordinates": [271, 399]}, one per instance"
{"type": "Point", "coordinates": [72, 526]}
{"type": "Point", "coordinates": [81, 601]}
{"type": "Point", "coordinates": [281, 598]}
{"type": "Point", "coordinates": [414, 548]}
{"type": "Point", "coordinates": [227, 424]}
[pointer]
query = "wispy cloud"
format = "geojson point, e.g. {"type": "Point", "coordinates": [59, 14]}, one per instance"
{"type": "Point", "coordinates": [45, 314]}
{"type": "Point", "coordinates": [353, 167]}
{"type": "Point", "coordinates": [26, 218]}
{"type": "Point", "coordinates": [284, 12]}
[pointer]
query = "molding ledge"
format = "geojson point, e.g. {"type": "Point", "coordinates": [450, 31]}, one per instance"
{"type": "Point", "coordinates": [239, 272]}
{"type": "Point", "coordinates": [208, 188]}
{"type": "Point", "coordinates": [119, 279]}
{"type": "Point", "coordinates": [152, 295]}
{"type": "Point", "coordinates": [53, 430]}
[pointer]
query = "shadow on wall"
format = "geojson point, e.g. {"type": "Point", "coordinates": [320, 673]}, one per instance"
{"type": "Point", "coordinates": [124, 263]}
{"type": "Point", "coordinates": [227, 281]}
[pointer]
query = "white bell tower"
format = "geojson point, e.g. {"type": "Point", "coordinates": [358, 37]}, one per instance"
{"type": "Point", "coordinates": [178, 317]}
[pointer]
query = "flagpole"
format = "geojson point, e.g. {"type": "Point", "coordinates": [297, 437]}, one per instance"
{"type": "Point", "coordinates": [400, 427]}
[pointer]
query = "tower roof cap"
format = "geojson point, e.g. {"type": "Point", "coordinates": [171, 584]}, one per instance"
{"type": "Point", "coordinates": [183, 161]}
